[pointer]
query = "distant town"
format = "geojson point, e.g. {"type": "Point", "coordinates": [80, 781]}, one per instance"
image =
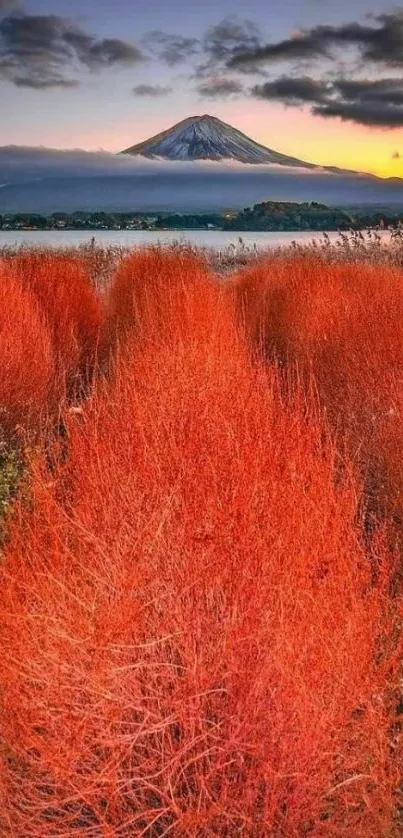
{"type": "Point", "coordinates": [265, 216]}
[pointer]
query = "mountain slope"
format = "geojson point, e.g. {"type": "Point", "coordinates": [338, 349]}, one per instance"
{"type": "Point", "coordinates": [208, 138]}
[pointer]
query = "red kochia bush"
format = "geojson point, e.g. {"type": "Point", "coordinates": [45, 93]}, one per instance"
{"type": "Point", "coordinates": [26, 360]}
{"type": "Point", "coordinates": [342, 324]}
{"type": "Point", "coordinates": [142, 291]}
{"type": "Point", "coordinates": [193, 639]}
{"type": "Point", "coordinates": [71, 310]}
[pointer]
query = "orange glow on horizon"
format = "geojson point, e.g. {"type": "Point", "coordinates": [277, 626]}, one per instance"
{"type": "Point", "coordinates": [334, 142]}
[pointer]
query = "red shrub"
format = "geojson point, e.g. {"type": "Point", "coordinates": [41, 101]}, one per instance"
{"type": "Point", "coordinates": [26, 361]}
{"type": "Point", "coordinates": [193, 640]}
{"type": "Point", "coordinates": [71, 310]}
{"type": "Point", "coordinates": [145, 285]}
{"type": "Point", "coordinates": [342, 325]}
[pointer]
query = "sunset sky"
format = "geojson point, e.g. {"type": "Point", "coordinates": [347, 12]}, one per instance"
{"type": "Point", "coordinates": [317, 79]}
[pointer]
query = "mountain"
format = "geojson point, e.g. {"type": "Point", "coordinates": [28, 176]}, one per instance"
{"type": "Point", "coordinates": [208, 138]}
{"type": "Point", "coordinates": [199, 165]}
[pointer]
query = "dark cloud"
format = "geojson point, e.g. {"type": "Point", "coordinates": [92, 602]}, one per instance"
{"type": "Point", "coordinates": [44, 84]}
{"type": "Point", "coordinates": [37, 50]}
{"type": "Point", "coordinates": [306, 45]}
{"type": "Point", "coordinates": [107, 52]}
{"type": "Point", "coordinates": [367, 102]}
{"type": "Point", "coordinates": [364, 113]}
{"type": "Point", "coordinates": [385, 44]}
{"type": "Point", "coordinates": [300, 47]}
{"type": "Point", "coordinates": [229, 37]}
{"type": "Point", "coordinates": [388, 90]}
{"type": "Point", "coordinates": [364, 101]}
{"type": "Point", "coordinates": [292, 91]}
{"type": "Point", "coordinates": [151, 90]}
{"type": "Point", "coordinates": [226, 39]}
{"type": "Point", "coordinates": [173, 49]}
{"type": "Point", "coordinates": [381, 42]}
{"type": "Point", "coordinates": [219, 88]}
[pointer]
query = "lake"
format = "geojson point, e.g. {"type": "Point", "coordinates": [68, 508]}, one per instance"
{"type": "Point", "coordinates": [216, 239]}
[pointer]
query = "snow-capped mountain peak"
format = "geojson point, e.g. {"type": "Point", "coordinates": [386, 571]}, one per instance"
{"type": "Point", "coordinates": [208, 138]}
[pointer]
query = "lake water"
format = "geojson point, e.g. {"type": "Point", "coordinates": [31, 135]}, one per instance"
{"type": "Point", "coordinates": [217, 239]}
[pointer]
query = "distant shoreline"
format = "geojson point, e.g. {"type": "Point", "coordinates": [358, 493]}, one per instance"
{"type": "Point", "coordinates": [180, 230]}
{"type": "Point", "coordinates": [264, 217]}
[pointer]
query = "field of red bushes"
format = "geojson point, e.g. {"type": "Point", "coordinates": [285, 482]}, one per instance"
{"type": "Point", "coordinates": [201, 607]}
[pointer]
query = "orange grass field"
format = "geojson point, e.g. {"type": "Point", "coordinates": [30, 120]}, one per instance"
{"type": "Point", "coordinates": [201, 577]}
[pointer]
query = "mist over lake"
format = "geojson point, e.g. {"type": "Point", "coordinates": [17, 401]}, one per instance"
{"type": "Point", "coordinates": [49, 180]}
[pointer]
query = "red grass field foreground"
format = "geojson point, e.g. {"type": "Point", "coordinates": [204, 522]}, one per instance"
{"type": "Point", "coordinates": [71, 310]}
{"type": "Point", "coordinates": [26, 361]}
{"type": "Point", "coordinates": [342, 325]}
{"type": "Point", "coordinates": [194, 640]}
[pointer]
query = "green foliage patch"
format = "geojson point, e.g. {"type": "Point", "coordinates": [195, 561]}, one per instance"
{"type": "Point", "coordinates": [11, 469]}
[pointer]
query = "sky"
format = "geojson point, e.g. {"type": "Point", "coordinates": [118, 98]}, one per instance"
{"type": "Point", "coordinates": [316, 79]}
